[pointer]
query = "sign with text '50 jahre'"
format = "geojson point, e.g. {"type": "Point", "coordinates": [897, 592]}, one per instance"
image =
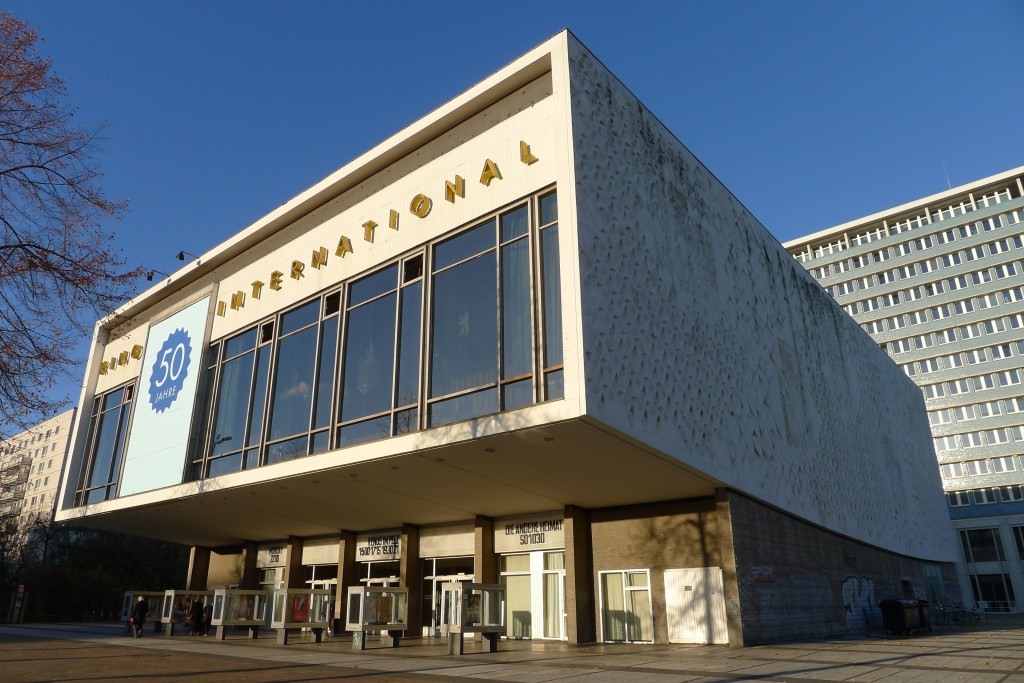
{"type": "Point", "coordinates": [165, 397]}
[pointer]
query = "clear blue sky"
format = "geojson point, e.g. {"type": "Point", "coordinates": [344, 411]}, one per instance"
{"type": "Point", "coordinates": [812, 113]}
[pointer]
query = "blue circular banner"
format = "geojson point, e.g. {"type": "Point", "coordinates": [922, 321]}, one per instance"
{"type": "Point", "coordinates": [170, 368]}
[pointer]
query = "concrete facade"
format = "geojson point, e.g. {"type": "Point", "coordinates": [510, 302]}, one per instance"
{"type": "Point", "coordinates": [661, 367]}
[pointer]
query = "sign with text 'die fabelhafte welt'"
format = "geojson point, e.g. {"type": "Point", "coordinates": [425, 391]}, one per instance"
{"type": "Point", "coordinates": [165, 397]}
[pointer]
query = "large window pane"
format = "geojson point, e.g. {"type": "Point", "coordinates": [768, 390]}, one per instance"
{"type": "Point", "coordinates": [515, 223]}
{"type": "Point", "coordinates": [287, 450]}
{"type": "Point", "coordinates": [463, 246]}
{"type": "Point", "coordinates": [300, 317]}
{"type": "Point", "coordinates": [369, 359]}
{"type": "Point", "coordinates": [293, 386]}
{"type": "Point", "coordinates": [232, 405]}
{"type": "Point", "coordinates": [106, 445]}
{"type": "Point", "coordinates": [464, 407]}
{"type": "Point", "coordinates": [552, 297]}
{"type": "Point", "coordinates": [465, 335]}
{"type": "Point", "coordinates": [373, 285]}
{"type": "Point", "coordinates": [409, 347]}
{"type": "Point", "coordinates": [325, 374]}
{"type": "Point", "coordinates": [106, 442]}
{"type": "Point", "coordinates": [243, 342]}
{"type": "Point", "coordinates": [516, 328]}
{"type": "Point", "coordinates": [362, 432]}
{"type": "Point", "coordinates": [259, 396]}
{"type": "Point", "coordinates": [519, 619]}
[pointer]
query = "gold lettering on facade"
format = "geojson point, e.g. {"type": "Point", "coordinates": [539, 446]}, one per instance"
{"type": "Point", "coordinates": [458, 188]}
{"type": "Point", "coordinates": [368, 228]}
{"type": "Point", "coordinates": [489, 173]}
{"type": "Point", "coordinates": [420, 205]}
{"type": "Point", "coordinates": [137, 351]}
{"type": "Point", "coordinates": [122, 358]}
{"type": "Point", "coordinates": [103, 367]}
{"type": "Point", "coordinates": [112, 364]}
{"type": "Point", "coordinates": [524, 153]}
{"type": "Point", "coordinates": [319, 259]}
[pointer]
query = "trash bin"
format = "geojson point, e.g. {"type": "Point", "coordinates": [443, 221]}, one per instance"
{"type": "Point", "coordinates": [902, 616]}
{"type": "Point", "coordinates": [925, 615]}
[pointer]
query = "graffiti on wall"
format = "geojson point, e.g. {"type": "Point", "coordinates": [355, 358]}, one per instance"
{"type": "Point", "coordinates": [860, 605]}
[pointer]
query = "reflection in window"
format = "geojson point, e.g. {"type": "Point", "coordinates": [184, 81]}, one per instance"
{"type": "Point", "coordinates": [380, 385]}
{"type": "Point", "coordinates": [552, 299]}
{"type": "Point", "coordinates": [348, 366]}
{"type": "Point", "coordinates": [106, 445]}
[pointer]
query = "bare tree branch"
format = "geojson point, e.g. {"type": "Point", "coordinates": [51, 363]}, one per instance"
{"type": "Point", "coordinates": [59, 270]}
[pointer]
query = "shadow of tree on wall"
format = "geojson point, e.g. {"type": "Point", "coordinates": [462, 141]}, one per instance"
{"type": "Point", "coordinates": [682, 536]}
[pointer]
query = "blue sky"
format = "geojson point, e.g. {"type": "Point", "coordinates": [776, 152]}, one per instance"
{"type": "Point", "coordinates": [812, 113]}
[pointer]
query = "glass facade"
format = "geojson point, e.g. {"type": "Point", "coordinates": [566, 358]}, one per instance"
{"type": "Point", "coordinates": [466, 326]}
{"type": "Point", "coordinates": [106, 445]}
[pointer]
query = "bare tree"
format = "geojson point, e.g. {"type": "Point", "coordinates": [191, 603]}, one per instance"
{"type": "Point", "coordinates": [59, 270]}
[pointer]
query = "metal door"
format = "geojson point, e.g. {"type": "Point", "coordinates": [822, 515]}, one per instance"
{"type": "Point", "coordinates": [695, 606]}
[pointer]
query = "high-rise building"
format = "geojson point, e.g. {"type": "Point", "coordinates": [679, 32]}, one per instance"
{"type": "Point", "coordinates": [939, 284]}
{"type": "Point", "coordinates": [32, 461]}
{"type": "Point", "coordinates": [528, 340]}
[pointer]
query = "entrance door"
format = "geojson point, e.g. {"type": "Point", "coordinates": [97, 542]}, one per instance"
{"type": "Point", "coordinates": [695, 606]}
{"type": "Point", "coordinates": [534, 594]}
{"type": "Point", "coordinates": [437, 572]}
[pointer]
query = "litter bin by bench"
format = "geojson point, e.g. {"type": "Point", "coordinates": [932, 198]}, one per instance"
{"type": "Point", "coordinates": [905, 616]}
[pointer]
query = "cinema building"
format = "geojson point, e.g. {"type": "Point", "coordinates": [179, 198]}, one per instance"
{"type": "Point", "coordinates": [527, 340]}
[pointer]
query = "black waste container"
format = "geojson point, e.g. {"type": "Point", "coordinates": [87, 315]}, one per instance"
{"type": "Point", "coordinates": [901, 616]}
{"type": "Point", "coordinates": [925, 616]}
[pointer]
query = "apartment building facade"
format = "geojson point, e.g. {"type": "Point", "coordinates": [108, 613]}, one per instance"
{"type": "Point", "coordinates": [32, 463]}
{"type": "Point", "coordinates": [939, 284]}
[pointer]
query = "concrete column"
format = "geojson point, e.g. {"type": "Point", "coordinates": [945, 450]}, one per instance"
{"type": "Point", "coordinates": [250, 579]}
{"type": "Point", "coordinates": [580, 603]}
{"type": "Point", "coordinates": [293, 574]}
{"type": "Point", "coordinates": [198, 569]}
{"type": "Point", "coordinates": [485, 568]}
{"type": "Point", "coordinates": [347, 576]}
{"type": "Point", "coordinates": [730, 576]}
{"type": "Point", "coordinates": [411, 573]}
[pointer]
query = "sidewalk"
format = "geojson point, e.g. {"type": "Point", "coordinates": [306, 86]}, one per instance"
{"type": "Point", "coordinates": [990, 653]}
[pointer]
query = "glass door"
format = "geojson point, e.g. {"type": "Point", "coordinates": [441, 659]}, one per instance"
{"type": "Point", "coordinates": [534, 594]}
{"type": "Point", "coordinates": [436, 573]}
{"type": "Point", "coordinates": [554, 595]}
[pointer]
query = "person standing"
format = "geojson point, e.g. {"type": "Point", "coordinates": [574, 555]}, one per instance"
{"type": "Point", "coordinates": [195, 617]}
{"type": "Point", "coordinates": [207, 618]}
{"type": "Point", "coordinates": [138, 616]}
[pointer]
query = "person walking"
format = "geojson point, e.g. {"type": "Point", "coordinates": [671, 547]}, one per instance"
{"type": "Point", "coordinates": [138, 617]}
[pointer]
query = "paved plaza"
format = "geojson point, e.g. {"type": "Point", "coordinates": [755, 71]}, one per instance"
{"type": "Point", "coordinates": [989, 653]}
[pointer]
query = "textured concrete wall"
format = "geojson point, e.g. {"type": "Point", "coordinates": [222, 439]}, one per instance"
{"type": "Point", "coordinates": [704, 338]}
{"type": "Point", "coordinates": [798, 581]}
